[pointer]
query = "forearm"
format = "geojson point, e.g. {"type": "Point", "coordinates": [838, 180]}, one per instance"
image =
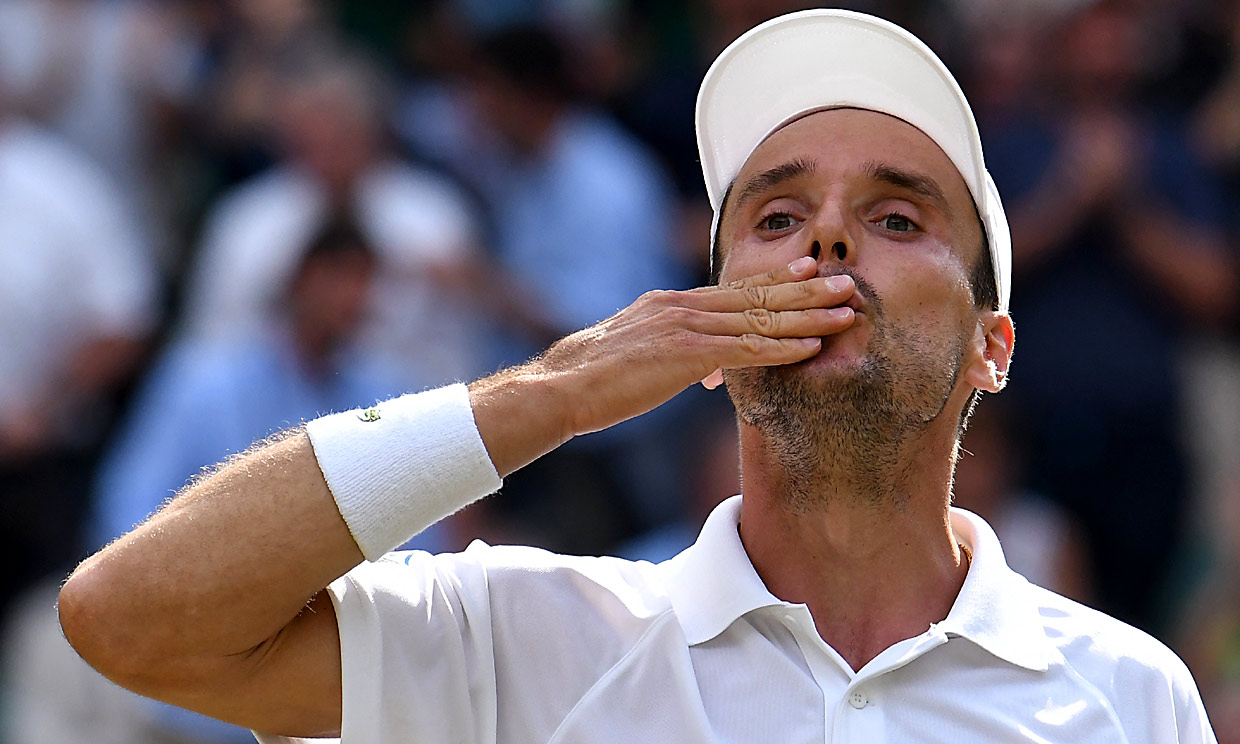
{"type": "Point", "coordinates": [205, 605]}
{"type": "Point", "coordinates": [235, 557]}
{"type": "Point", "coordinates": [272, 528]}
{"type": "Point", "coordinates": [520, 416]}
{"type": "Point", "coordinates": [219, 571]}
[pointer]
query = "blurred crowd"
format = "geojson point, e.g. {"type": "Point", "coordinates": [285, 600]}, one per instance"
{"type": "Point", "coordinates": [219, 218]}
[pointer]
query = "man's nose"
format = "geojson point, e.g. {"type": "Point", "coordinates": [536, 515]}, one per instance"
{"type": "Point", "coordinates": [831, 239]}
{"type": "Point", "coordinates": [839, 250]}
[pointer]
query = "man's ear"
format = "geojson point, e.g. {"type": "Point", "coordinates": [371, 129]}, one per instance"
{"type": "Point", "coordinates": [992, 346]}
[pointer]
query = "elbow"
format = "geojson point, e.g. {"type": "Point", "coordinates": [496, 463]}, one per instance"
{"type": "Point", "coordinates": [91, 629]}
{"type": "Point", "coordinates": [78, 608]}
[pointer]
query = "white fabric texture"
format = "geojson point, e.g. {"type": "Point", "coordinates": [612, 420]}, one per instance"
{"type": "Point", "coordinates": [504, 644]}
{"type": "Point", "coordinates": [398, 467]}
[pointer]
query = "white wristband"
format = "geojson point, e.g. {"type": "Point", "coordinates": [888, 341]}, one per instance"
{"type": "Point", "coordinates": [400, 466]}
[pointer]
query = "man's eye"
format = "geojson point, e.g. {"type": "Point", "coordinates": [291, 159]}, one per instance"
{"type": "Point", "coordinates": [898, 223]}
{"type": "Point", "coordinates": [777, 221]}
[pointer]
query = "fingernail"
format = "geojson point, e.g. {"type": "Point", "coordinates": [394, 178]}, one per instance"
{"type": "Point", "coordinates": [840, 312]}
{"type": "Point", "coordinates": [839, 283]}
{"type": "Point", "coordinates": [801, 264]}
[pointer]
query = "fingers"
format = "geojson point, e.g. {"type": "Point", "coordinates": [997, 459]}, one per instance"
{"type": "Point", "coordinates": [816, 321]}
{"type": "Point", "coordinates": [796, 291]}
{"type": "Point", "coordinates": [761, 338]}
{"type": "Point", "coordinates": [753, 350]}
{"type": "Point", "coordinates": [802, 268]}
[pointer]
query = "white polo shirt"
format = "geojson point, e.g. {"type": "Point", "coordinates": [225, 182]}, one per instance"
{"type": "Point", "coordinates": [501, 645]}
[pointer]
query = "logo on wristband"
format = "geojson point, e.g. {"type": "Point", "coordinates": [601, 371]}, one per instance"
{"type": "Point", "coordinates": [370, 414]}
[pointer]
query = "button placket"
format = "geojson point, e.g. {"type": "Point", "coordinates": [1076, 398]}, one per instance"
{"type": "Point", "coordinates": [859, 717]}
{"type": "Point", "coordinates": [828, 670]}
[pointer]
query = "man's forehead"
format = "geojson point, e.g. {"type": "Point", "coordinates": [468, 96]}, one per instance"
{"type": "Point", "coordinates": [857, 138]}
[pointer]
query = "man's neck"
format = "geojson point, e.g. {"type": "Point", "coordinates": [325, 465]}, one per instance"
{"type": "Point", "coordinates": [872, 572]}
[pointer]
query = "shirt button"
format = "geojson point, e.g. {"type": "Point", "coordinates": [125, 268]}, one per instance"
{"type": "Point", "coordinates": [858, 699]}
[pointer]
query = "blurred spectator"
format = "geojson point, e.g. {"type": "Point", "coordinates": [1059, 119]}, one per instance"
{"type": "Point", "coordinates": [207, 398]}
{"type": "Point", "coordinates": [1214, 369]}
{"type": "Point", "coordinates": [711, 474]}
{"type": "Point", "coordinates": [109, 76]}
{"type": "Point", "coordinates": [1117, 254]}
{"type": "Point", "coordinates": [582, 217]}
{"type": "Point", "coordinates": [76, 304]}
{"type": "Point", "coordinates": [1040, 541]}
{"type": "Point", "coordinates": [252, 41]}
{"type": "Point", "coordinates": [581, 209]}
{"type": "Point", "coordinates": [330, 116]}
{"type": "Point", "coordinates": [1208, 638]}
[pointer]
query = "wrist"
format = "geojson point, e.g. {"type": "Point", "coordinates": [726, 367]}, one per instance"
{"type": "Point", "coordinates": [522, 413]}
{"type": "Point", "coordinates": [398, 467]}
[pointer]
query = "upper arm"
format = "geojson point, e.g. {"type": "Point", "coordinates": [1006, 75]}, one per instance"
{"type": "Point", "coordinates": [289, 685]}
{"type": "Point", "coordinates": [411, 643]}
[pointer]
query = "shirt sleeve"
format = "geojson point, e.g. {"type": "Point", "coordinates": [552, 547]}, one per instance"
{"type": "Point", "coordinates": [416, 651]}
{"type": "Point", "coordinates": [1154, 694]}
{"type": "Point", "coordinates": [1192, 724]}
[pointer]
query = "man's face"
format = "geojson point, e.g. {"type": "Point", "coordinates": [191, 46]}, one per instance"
{"type": "Point", "coordinates": [872, 197]}
{"type": "Point", "coordinates": [327, 128]}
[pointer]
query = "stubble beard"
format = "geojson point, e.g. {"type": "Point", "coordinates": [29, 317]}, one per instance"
{"type": "Point", "coordinates": [848, 432]}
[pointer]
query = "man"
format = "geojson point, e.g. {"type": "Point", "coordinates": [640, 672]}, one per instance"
{"type": "Point", "coordinates": [329, 122]}
{"type": "Point", "coordinates": [840, 599]}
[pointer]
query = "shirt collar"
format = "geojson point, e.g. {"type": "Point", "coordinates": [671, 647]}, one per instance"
{"type": "Point", "coordinates": [996, 608]}
{"type": "Point", "coordinates": [713, 583]}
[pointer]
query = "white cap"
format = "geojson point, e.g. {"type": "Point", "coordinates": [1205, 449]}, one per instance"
{"type": "Point", "coordinates": [819, 59]}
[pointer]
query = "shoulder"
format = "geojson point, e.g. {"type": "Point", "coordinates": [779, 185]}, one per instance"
{"type": "Point", "coordinates": [533, 619]}
{"type": "Point", "coordinates": [1147, 684]}
{"type": "Point", "coordinates": [513, 636]}
{"type": "Point", "coordinates": [523, 597]}
{"type": "Point", "coordinates": [272, 188]}
{"type": "Point", "coordinates": [604, 154]}
{"type": "Point", "coordinates": [415, 212]}
{"type": "Point", "coordinates": [633, 585]}
{"type": "Point", "coordinates": [402, 180]}
{"type": "Point", "coordinates": [45, 164]}
{"type": "Point", "coordinates": [1088, 638]}
{"type": "Point", "coordinates": [516, 576]}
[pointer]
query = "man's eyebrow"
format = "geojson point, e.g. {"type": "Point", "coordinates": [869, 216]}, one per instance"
{"type": "Point", "coordinates": [772, 178]}
{"type": "Point", "coordinates": [919, 184]}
